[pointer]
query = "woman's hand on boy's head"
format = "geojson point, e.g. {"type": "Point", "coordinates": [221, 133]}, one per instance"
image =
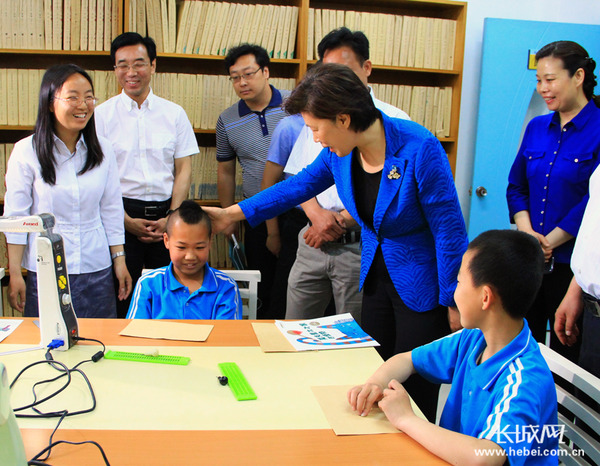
{"type": "Point", "coordinates": [395, 404]}
{"type": "Point", "coordinates": [363, 397]}
{"type": "Point", "coordinates": [221, 221]}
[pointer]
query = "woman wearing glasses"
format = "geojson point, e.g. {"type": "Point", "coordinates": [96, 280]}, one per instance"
{"type": "Point", "coordinates": [64, 169]}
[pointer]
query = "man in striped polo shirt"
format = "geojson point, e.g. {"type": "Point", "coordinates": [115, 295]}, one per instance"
{"type": "Point", "coordinates": [244, 132]}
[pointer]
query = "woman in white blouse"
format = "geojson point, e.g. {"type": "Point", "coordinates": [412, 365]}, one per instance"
{"type": "Point", "coordinates": [64, 169]}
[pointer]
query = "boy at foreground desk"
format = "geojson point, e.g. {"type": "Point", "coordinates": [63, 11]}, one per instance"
{"type": "Point", "coordinates": [188, 288]}
{"type": "Point", "coordinates": [502, 404]}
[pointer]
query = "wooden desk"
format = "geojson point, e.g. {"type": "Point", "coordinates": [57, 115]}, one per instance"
{"type": "Point", "coordinates": [175, 447]}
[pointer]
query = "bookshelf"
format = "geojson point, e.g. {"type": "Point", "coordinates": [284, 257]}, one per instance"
{"type": "Point", "coordinates": [48, 42]}
{"type": "Point", "coordinates": [206, 60]}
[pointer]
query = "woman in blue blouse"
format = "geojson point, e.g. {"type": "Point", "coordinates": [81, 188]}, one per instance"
{"type": "Point", "coordinates": [394, 179]}
{"type": "Point", "coordinates": [548, 182]}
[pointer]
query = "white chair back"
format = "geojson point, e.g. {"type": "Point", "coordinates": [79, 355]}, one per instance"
{"type": "Point", "coordinates": [247, 281]}
{"type": "Point", "coordinates": [576, 436]}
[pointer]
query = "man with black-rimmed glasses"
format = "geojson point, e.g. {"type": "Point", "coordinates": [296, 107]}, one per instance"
{"type": "Point", "coordinates": [244, 132]}
{"type": "Point", "coordinates": [153, 140]}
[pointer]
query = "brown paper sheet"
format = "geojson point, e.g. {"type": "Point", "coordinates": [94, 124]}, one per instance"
{"type": "Point", "coordinates": [271, 339]}
{"type": "Point", "coordinates": [334, 403]}
{"type": "Point", "coordinates": [147, 328]}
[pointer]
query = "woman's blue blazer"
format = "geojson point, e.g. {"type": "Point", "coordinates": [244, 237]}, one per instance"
{"type": "Point", "coordinates": [417, 220]}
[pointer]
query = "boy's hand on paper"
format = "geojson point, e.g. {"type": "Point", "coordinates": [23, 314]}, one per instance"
{"type": "Point", "coordinates": [395, 404]}
{"type": "Point", "coordinates": [363, 397]}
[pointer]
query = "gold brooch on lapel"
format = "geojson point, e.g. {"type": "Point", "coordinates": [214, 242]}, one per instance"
{"type": "Point", "coordinates": [393, 174]}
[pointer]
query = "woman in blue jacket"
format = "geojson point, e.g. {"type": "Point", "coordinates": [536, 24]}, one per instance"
{"type": "Point", "coordinates": [394, 180]}
{"type": "Point", "coordinates": [548, 182]}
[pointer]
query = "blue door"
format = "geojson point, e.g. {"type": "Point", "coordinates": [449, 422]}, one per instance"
{"type": "Point", "coordinates": [507, 101]}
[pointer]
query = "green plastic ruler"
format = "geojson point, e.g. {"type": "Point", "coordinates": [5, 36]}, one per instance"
{"type": "Point", "coordinates": [237, 382]}
{"type": "Point", "coordinates": [140, 357]}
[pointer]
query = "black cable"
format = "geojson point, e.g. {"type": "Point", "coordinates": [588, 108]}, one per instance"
{"type": "Point", "coordinates": [58, 442]}
{"type": "Point", "coordinates": [64, 372]}
{"type": "Point", "coordinates": [36, 401]}
{"type": "Point", "coordinates": [100, 354]}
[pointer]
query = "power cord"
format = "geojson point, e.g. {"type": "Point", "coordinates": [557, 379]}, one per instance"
{"type": "Point", "coordinates": [64, 372]}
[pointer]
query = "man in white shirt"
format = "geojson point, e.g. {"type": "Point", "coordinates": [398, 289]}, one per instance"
{"type": "Point", "coordinates": [153, 140]}
{"type": "Point", "coordinates": [328, 257]}
{"type": "Point", "coordinates": [583, 294]}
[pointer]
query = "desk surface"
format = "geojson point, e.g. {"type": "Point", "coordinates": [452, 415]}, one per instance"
{"type": "Point", "coordinates": [174, 447]}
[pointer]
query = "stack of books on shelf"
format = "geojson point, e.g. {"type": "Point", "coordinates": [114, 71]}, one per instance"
{"type": "Point", "coordinates": [427, 105]}
{"type": "Point", "coordinates": [59, 24]}
{"type": "Point", "coordinates": [395, 40]}
{"type": "Point", "coordinates": [203, 97]}
{"type": "Point", "coordinates": [204, 176]}
{"type": "Point", "coordinates": [5, 150]}
{"type": "Point", "coordinates": [20, 88]}
{"type": "Point", "coordinates": [218, 257]}
{"type": "Point", "coordinates": [211, 28]}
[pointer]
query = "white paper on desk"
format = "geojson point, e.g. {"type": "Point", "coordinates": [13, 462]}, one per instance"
{"type": "Point", "coordinates": [332, 332]}
{"type": "Point", "coordinates": [7, 327]}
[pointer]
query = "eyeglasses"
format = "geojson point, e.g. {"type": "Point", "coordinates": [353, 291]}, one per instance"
{"type": "Point", "coordinates": [137, 66]}
{"type": "Point", "coordinates": [73, 101]}
{"type": "Point", "coordinates": [247, 76]}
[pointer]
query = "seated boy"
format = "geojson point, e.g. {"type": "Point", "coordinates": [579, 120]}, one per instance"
{"type": "Point", "coordinates": [503, 398]}
{"type": "Point", "coordinates": [188, 288]}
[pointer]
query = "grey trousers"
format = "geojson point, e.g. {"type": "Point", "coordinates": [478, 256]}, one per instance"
{"type": "Point", "coordinates": [319, 274]}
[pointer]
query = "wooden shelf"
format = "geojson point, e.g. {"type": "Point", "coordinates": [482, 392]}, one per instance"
{"type": "Point", "coordinates": [286, 68]}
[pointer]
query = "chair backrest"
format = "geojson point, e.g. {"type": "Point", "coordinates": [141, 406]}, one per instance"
{"type": "Point", "coordinates": [247, 281]}
{"type": "Point", "coordinates": [581, 400]}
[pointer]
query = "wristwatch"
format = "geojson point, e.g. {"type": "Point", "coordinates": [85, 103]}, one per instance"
{"type": "Point", "coordinates": [169, 212]}
{"type": "Point", "coordinates": [117, 254]}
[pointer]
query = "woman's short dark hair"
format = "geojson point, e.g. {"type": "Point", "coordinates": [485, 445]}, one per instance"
{"type": "Point", "coordinates": [344, 37]}
{"type": "Point", "coordinates": [260, 54]}
{"type": "Point", "coordinates": [132, 38]}
{"type": "Point", "coordinates": [573, 56]}
{"type": "Point", "coordinates": [43, 139]}
{"type": "Point", "coordinates": [328, 90]}
{"type": "Point", "coordinates": [511, 262]}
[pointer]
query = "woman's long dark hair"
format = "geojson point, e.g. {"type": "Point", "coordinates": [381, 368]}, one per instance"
{"type": "Point", "coordinates": [573, 56]}
{"type": "Point", "coordinates": [43, 141]}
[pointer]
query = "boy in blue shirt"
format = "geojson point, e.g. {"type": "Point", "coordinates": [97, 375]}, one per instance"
{"type": "Point", "coordinates": [188, 288]}
{"type": "Point", "coordinates": [502, 404]}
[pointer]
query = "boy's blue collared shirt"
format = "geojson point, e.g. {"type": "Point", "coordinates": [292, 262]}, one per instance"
{"type": "Point", "coordinates": [158, 295]}
{"type": "Point", "coordinates": [502, 399]}
{"type": "Point", "coordinates": [550, 175]}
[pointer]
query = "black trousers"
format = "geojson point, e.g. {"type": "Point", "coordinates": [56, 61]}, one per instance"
{"type": "Point", "coordinates": [399, 329]}
{"type": "Point", "coordinates": [139, 255]}
{"type": "Point", "coordinates": [553, 289]}
{"type": "Point", "coordinates": [590, 347]}
{"type": "Point", "coordinates": [260, 258]}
